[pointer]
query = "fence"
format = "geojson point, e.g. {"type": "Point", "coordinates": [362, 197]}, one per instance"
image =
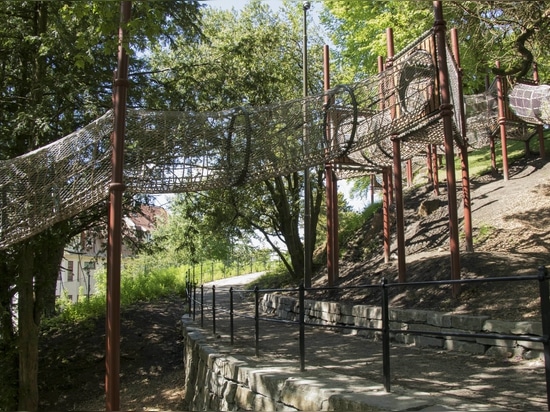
{"type": "Point", "coordinates": [382, 328]}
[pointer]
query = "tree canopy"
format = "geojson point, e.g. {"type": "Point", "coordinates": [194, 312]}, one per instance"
{"type": "Point", "coordinates": [515, 33]}
{"type": "Point", "coordinates": [248, 58]}
{"type": "Point", "coordinates": [56, 75]}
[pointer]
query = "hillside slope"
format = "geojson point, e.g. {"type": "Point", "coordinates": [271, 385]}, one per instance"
{"type": "Point", "coordinates": [511, 237]}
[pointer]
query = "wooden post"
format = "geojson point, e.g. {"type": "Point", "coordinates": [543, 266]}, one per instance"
{"type": "Point", "coordinates": [116, 188]}
{"type": "Point", "coordinates": [501, 98]}
{"type": "Point", "coordinates": [463, 151]}
{"type": "Point", "coordinates": [397, 178]}
{"type": "Point", "coordinates": [540, 130]}
{"type": "Point", "coordinates": [446, 110]}
{"type": "Point", "coordinates": [331, 193]}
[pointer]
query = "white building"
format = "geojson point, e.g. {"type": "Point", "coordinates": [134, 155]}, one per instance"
{"type": "Point", "coordinates": [86, 256]}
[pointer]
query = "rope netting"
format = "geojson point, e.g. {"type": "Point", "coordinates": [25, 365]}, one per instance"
{"type": "Point", "coordinates": [531, 102]}
{"type": "Point", "coordinates": [171, 152]}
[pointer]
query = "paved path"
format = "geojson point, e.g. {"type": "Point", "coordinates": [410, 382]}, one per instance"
{"type": "Point", "coordinates": [441, 379]}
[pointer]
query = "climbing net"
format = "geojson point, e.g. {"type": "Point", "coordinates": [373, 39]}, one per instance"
{"type": "Point", "coordinates": [171, 152]}
{"type": "Point", "coordinates": [178, 151]}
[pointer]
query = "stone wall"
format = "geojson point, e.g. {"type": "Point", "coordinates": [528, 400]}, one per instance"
{"type": "Point", "coordinates": [215, 380]}
{"type": "Point", "coordinates": [346, 316]}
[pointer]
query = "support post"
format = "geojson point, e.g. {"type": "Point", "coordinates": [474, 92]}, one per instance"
{"type": "Point", "coordinates": [331, 192]}
{"type": "Point", "coordinates": [116, 189]}
{"type": "Point", "coordinates": [308, 247]}
{"type": "Point", "coordinates": [386, 212]}
{"type": "Point", "coordinates": [540, 130]}
{"type": "Point", "coordinates": [501, 98]}
{"type": "Point", "coordinates": [446, 112]}
{"type": "Point", "coordinates": [397, 178]}
{"type": "Point", "coordinates": [469, 243]}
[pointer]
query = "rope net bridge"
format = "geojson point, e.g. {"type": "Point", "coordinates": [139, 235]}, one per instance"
{"type": "Point", "coordinates": [174, 152]}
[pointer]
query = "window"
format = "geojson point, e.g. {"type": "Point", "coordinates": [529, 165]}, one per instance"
{"type": "Point", "coordinates": [70, 273]}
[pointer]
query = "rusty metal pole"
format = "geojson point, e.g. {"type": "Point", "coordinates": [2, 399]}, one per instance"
{"type": "Point", "coordinates": [469, 243]}
{"type": "Point", "coordinates": [446, 112]}
{"type": "Point", "coordinates": [540, 130]}
{"type": "Point", "coordinates": [331, 192]}
{"type": "Point", "coordinates": [308, 246]}
{"type": "Point", "coordinates": [501, 98]}
{"type": "Point", "coordinates": [116, 188]}
{"type": "Point", "coordinates": [386, 186]}
{"type": "Point", "coordinates": [435, 163]}
{"type": "Point", "coordinates": [386, 173]}
{"type": "Point", "coordinates": [397, 178]}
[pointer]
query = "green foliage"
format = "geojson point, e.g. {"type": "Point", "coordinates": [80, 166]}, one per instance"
{"type": "Point", "coordinates": [351, 222]}
{"type": "Point", "coordinates": [276, 278]}
{"type": "Point", "coordinates": [483, 233]}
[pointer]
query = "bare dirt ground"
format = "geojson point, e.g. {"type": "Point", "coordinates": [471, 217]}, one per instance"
{"type": "Point", "coordinates": [511, 237]}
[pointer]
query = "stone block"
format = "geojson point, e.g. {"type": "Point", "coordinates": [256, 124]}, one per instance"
{"type": "Point", "coordinates": [440, 319]}
{"type": "Point", "coordinates": [419, 327]}
{"type": "Point", "coordinates": [346, 309]}
{"type": "Point", "coordinates": [428, 342]}
{"type": "Point", "coordinates": [267, 381]}
{"type": "Point", "coordinates": [473, 323]}
{"type": "Point", "coordinates": [367, 312]}
{"type": "Point", "coordinates": [244, 398]}
{"type": "Point", "coordinates": [408, 315]}
{"type": "Point", "coordinates": [231, 368]}
{"type": "Point", "coordinates": [527, 328]}
{"type": "Point", "coordinates": [498, 326]}
{"type": "Point", "coordinates": [505, 343]}
{"type": "Point", "coordinates": [534, 354]}
{"type": "Point", "coordinates": [539, 346]}
{"type": "Point", "coordinates": [462, 346]}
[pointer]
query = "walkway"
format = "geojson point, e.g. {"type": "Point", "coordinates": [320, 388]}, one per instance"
{"type": "Point", "coordinates": [421, 379]}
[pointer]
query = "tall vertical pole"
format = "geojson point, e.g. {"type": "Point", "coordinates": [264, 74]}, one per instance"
{"type": "Point", "coordinates": [501, 98]}
{"type": "Point", "coordinates": [116, 188]}
{"type": "Point", "coordinates": [397, 178]}
{"type": "Point", "coordinates": [331, 192]}
{"type": "Point", "coordinates": [308, 247]}
{"type": "Point", "coordinates": [540, 130]}
{"type": "Point", "coordinates": [446, 113]}
{"type": "Point", "coordinates": [469, 243]}
{"type": "Point", "coordinates": [386, 186]}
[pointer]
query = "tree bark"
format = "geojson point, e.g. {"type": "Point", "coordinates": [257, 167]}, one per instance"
{"type": "Point", "coordinates": [28, 332]}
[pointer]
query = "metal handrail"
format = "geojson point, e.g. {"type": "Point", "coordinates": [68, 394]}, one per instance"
{"type": "Point", "coordinates": [544, 292]}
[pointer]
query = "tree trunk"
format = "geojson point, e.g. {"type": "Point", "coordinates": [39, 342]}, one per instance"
{"type": "Point", "coordinates": [8, 345]}
{"type": "Point", "coordinates": [28, 332]}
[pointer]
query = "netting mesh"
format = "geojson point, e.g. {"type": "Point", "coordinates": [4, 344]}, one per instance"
{"type": "Point", "coordinates": [171, 152]}
{"type": "Point", "coordinates": [531, 102]}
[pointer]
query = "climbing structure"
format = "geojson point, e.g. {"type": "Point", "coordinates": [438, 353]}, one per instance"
{"type": "Point", "coordinates": [171, 152]}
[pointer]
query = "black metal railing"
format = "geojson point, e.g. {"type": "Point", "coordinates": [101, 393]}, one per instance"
{"type": "Point", "coordinates": [385, 330]}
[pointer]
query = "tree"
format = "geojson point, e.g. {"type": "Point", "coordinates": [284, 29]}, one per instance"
{"type": "Point", "coordinates": [515, 33]}
{"type": "Point", "coordinates": [55, 76]}
{"type": "Point", "coordinates": [249, 58]}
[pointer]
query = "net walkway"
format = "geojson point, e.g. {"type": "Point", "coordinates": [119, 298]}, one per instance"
{"type": "Point", "coordinates": [174, 152]}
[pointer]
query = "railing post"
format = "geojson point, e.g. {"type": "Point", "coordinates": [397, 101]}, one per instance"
{"type": "Point", "coordinates": [302, 328]}
{"type": "Point", "coordinates": [194, 299]}
{"type": "Point", "coordinates": [545, 316]}
{"type": "Point", "coordinates": [214, 309]}
{"type": "Point", "coordinates": [231, 313]}
{"type": "Point", "coordinates": [257, 319]}
{"type": "Point", "coordinates": [189, 297]}
{"type": "Point", "coordinates": [385, 336]}
{"type": "Point", "coordinates": [202, 306]}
